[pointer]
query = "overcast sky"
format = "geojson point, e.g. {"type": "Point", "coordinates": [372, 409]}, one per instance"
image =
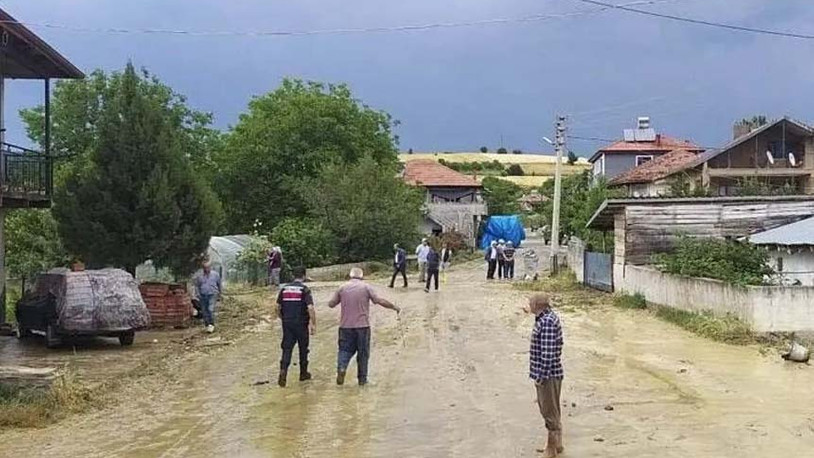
{"type": "Point", "coordinates": [456, 89]}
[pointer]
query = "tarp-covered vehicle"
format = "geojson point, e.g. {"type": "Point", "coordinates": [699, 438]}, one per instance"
{"type": "Point", "coordinates": [103, 302]}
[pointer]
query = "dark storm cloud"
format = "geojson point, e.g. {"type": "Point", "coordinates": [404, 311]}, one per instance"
{"type": "Point", "coordinates": [457, 89]}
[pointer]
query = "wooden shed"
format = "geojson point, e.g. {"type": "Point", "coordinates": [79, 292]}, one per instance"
{"type": "Point", "coordinates": [644, 227]}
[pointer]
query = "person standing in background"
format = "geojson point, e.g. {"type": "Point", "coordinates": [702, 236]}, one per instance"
{"type": "Point", "coordinates": [275, 265]}
{"type": "Point", "coordinates": [421, 252]}
{"type": "Point", "coordinates": [399, 265]}
{"type": "Point", "coordinates": [500, 246]}
{"type": "Point", "coordinates": [508, 261]}
{"type": "Point", "coordinates": [491, 260]}
{"type": "Point", "coordinates": [433, 264]}
{"type": "Point", "coordinates": [209, 289]}
{"type": "Point", "coordinates": [446, 259]}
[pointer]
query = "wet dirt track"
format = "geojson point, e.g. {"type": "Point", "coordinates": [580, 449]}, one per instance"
{"type": "Point", "coordinates": [449, 379]}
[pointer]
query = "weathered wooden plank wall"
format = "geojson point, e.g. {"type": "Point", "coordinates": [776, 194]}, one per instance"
{"type": "Point", "coordinates": [648, 229]}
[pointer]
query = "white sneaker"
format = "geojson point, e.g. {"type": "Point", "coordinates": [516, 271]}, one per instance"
{"type": "Point", "coordinates": [210, 329]}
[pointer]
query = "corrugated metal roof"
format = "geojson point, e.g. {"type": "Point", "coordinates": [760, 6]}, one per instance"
{"type": "Point", "coordinates": [799, 233]}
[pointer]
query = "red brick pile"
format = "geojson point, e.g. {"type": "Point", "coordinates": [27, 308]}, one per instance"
{"type": "Point", "coordinates": [169, 304]}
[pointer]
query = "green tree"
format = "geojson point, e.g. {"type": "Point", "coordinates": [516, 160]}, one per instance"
{"type": "Point", "coordinates": [305, 242]}
{"type": "Point", "coordinates": [580, 198]}
{"type": "Point", "coordinates": [572, 158]}
{"type": "Point", "coordinates": [365, 206]}
{"type": "Point", "coordinates": [77, 107]}
{"type": "Point", "coordinates": [287, 137]}
{"type": "Point", "coordinates": [502, 150]}
{"type": "Point", "coordinates": [484, 149]}
{"type": "Point", "coordinates": [501, 196]}
{"type": "Point", "coordinates": [731, 261]}
{"type": "Point", "coordinates": [517, 151]}
{"type": "Point", "coordinates": [754, 122]}
{"type": "Point", "coordinates": [136, 196]}
{"type": "Point", "coordinates": [515, 170]}
{"type": "Point", "coordinates": [33, 243]}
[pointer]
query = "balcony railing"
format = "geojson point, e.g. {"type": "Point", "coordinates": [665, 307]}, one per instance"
{"type": "Point", "coordinates": [26, 174]}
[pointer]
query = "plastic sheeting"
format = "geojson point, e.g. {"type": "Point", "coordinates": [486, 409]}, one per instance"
{"type": "Point", "coordinates": [223, 252]}
{"type": "Point", "coordinates": [95, 300]}
{"type": "Point", "coordinates": [508, 228]}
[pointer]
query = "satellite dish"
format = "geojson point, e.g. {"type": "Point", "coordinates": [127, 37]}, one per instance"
{"type": "Point", "coordinates": [770, 157]}
{"type": "Point", "coordinates": [792, 160]}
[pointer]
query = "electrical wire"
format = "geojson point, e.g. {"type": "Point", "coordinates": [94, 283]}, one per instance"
{"type": "Point", "coordinates": [339, 31]}
{"type": "Point", "coordinates": [720, 25]}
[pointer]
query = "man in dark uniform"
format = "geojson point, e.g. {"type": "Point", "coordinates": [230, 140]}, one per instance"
{"type": "Point", "coordinates": [399, 265]}
{"type": "Point", "coordinates": [295, 307]}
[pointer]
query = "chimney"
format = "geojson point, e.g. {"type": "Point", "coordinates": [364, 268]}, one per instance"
{"type": "Point", "coordinates": [644, 122]}
{"type": "Point", "coordinates": [658, 139]}
{"type": "Point", "coordinates": [739, 130]}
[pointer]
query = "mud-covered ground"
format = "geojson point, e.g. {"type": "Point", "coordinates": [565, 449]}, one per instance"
{"type": "Point", "coordinates": [449, 378]}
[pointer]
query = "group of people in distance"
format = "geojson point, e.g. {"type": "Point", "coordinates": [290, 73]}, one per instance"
{"type": "Point", "coordinates": [431, 264]}
{"type": "Point", "coordinates": [500, 257]}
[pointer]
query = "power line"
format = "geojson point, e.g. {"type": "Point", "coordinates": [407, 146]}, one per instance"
{"type": "Point", "coordinates": [339, 31]}
{"type": "Point", "coordinates": [719, 25]}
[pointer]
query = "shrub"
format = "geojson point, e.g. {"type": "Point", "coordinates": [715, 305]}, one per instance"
{"type": "Point", "coordinates": [733, 262]}
{"type": "Point", "coordinates": [304, 242]}
{"type": "Point", "coordinates": [517, 151]}
{"type": "Point", "coordinates": [515, 170]}
{"type": "Point", "coordinates": [455, 240]}
{"type": "Point", "coordinates": [251, 262]}
{"type": "Point", "coordinates": [484, 149]}
{"type": "Point", "coordinates": [502, 150]}
{"type": "Point", "coordinates": [627, 301]}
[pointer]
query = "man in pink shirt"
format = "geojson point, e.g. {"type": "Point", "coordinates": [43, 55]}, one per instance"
{"type": "Point", "coordinates": [354, 323]}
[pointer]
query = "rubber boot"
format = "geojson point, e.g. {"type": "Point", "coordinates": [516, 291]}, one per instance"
{"type": "Point", "coordinates": [304, 374]}
{"type": "Point", "coordinates": [340, 377]}
{"type": "Point", "coordinates": [281, 380]}
{"type": "Point", "coordinates": [558, 436]}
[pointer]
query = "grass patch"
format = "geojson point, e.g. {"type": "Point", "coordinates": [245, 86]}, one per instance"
{"type": "Point", "coordinates": [35, 408]}
{"type": "Point", "coordinates": [565, 281]}
{"type": "Point", "coordinates": [727, 329]}
{"type": "Point", "coordinates": [627, 301]}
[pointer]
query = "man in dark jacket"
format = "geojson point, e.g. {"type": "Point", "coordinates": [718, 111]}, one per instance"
{"type": "Point", "coordinates": [295, 307]}
{"type": "Point", "coordinates": [508, 261]}
{"type": "Point", "coordinates": [433, 264]}
{"type": "Point", "coordinates": [399, 265]}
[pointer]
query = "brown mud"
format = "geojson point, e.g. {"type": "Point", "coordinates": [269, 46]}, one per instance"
{"type": "Point", "coordinates": [449, 378]}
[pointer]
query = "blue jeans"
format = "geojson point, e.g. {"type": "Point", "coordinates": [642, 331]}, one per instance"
{"type": "Point", "coordinates": [354, 341]}
{"type": "Point", "coordinates": [208, 308]}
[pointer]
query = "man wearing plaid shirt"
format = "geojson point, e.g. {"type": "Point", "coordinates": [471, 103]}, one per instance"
{"type": "Point", "coordinates": [545, 368]}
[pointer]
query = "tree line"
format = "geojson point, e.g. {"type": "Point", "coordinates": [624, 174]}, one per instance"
{"type": "Point", "coordinates": [140, 175]}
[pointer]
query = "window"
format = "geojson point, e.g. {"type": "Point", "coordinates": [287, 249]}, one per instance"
{"type": "Point", "coordinates": [776, 148]}
{"type": "Point", "coordinates": [599, 166]}
{"type": "Point", "coordinates": [780, 264]}
{"type": "Point", "coordinates": [643, 160]}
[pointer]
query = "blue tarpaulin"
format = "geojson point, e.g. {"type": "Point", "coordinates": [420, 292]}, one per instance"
{"type": "Point", "coordinates": [508, 228]}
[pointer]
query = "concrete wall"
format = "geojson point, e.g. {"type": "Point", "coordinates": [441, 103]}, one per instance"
{"type": "Point", "coordinates": [576, 258]}
{"type": "Point", "coordinates": [765, 308]}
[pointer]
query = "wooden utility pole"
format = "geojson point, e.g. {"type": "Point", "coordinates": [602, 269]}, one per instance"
{"type": "Point", "coordinates": [559, 146]}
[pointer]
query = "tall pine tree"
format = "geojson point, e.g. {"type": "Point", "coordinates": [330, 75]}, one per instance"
{"type": "Point", "coordinates": [135, 197]}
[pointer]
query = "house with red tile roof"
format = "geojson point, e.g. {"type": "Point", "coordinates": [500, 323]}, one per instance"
{"type": "Point", "coordinates": [453, 200]}
{"type": "Point", "coordinates": [653, 178]}
{"type": "Point", "coordinates": [775, 158]}
{"type": "Point", "coordinates": [638, 146]}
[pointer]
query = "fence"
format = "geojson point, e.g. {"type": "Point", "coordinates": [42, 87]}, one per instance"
{"type": "Point", "coordinates": [765, 308]}
{"type": "Point", "coordinates": [591, 269]}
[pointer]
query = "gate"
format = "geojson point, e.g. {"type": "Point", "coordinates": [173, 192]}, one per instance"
{"type": "Point", "coordinates": [599, 271]}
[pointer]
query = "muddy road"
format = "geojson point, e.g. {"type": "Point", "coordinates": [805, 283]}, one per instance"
{"type": "Point", "coordinates": [449, 378]}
